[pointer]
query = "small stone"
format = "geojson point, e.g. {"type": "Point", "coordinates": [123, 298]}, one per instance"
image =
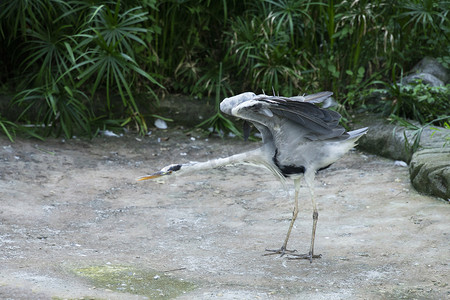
{"type": "Point", "coordinates": [160, 124]}
{"type": "Point", "coordinates": [400, 163]}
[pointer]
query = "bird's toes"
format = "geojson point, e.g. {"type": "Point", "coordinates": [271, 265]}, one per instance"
{"type": "Point", "coordinates": [282, 251]}
{"type": "Point", "coordinates": [308, 256]}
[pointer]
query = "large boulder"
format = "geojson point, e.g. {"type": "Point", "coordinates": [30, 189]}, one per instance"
{"type": "Point", "coordinates": [430, 171]}
{"type": "Point", "coordinates": [430, 71]}
{"type": "Point", "coordinates": [385, 139]}
{"type": "Point", "coordinates": [426, 78]}
{"type": "Point", "coordinates": [429, 166]}
{"type": "Point", "coordinates": [431, 66]}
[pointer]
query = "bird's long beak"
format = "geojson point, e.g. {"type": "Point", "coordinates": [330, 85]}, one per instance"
{"type": "Point", "coordinates": [153, 176]}
{"type": "Point", "coordinates": [165, 171]}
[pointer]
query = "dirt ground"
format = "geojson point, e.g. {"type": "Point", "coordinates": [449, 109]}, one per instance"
{"type": "Point", "coordinates": [72, 210]}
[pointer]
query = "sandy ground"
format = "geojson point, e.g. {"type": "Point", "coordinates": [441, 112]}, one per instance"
{"type": "Point", "coordinates": [66, 205]}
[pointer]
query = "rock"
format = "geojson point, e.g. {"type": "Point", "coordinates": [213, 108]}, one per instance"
{"type": "Point", "coordinates": [431, 66]}
{"type": "Point", "coordinates": [385, 139]}
{"type": "Point", "coordinates": [429, 167]}
{"type": "Point", "coordinates": [394, 141]}
{"type": "Point", "coordinates": [430, 71]}
{"type": "Point", "coordinates": [160, 124]}
{"type": "Point", "coordinates": [426, 78]}
{"type": "Point", "coordinates": [108, 133]}
{"type": "Point", "coordinates": [430, 172]}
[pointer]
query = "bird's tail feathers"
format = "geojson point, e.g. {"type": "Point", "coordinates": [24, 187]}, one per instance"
{"type": "Point", "coordinates": [318, 97]}
{"type": "Point", "coordinates": [358, 132]}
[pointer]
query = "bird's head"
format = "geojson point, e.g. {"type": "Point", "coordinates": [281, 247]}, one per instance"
{"type": "Point", "coordinates": [168, 170]}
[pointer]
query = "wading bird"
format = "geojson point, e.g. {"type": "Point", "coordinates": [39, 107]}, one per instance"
{"type": "Point", "coordinates": [298, 139]}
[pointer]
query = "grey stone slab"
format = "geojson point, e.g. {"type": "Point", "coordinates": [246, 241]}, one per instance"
{"type": "Point", "coordinates": [430, 171]}
{"type": "Point", "coordinates": [429, 164]}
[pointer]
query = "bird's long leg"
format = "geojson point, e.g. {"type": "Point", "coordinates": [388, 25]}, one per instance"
{"type": "Point", "coordinates": [283, 250]}
{"type": "Point", "coordinates": [309, 178]}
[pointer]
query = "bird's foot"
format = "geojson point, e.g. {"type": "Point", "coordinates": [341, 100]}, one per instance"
{"type": "Point", "coordinates": [282, 251]}
{"type": "Point", "coordinates": [309, 256]}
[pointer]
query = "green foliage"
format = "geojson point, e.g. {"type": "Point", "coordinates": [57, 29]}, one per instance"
{"type": "Point", "coordinates": [107, 61]}
{"type": "Point", "coordinates": [70, 53]}
{"type": "Point", "coordinates": [419, 101]}
{"type": "Point", "coordinates": [7, 127]}
{"type": "Point", "coordinates": [428, 105]}
{"type": "Point", "coordinates": [218, 123]}
{"type": "Point", "coordinates": [417, 130]}
{"type": "Point", "coordinates": [446, 128]}
{"type": "Point", "coordinates": [57, 107]}
{"type": "Point", "coordinates": [10, 129]}
{"type": "Point", "coordinates": [269, 62]}
{"type": "Point", "coordinates": [78, 65]}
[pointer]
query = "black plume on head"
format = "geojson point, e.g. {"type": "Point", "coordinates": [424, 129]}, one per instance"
{"type": "Point", "coordinates": [174, 168]}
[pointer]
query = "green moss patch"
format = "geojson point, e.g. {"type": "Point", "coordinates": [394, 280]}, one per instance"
{"type": "Point", "coordinates": [150, 283]}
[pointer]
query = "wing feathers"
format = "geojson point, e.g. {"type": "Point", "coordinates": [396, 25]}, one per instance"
{"type": "Point", "coordinates": [317, 123]}
{"type": "Point", "coordinates": [318, 98]}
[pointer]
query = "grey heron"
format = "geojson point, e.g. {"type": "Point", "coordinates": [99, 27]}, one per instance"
{"type": "Point", "coordinates": [298, 139]}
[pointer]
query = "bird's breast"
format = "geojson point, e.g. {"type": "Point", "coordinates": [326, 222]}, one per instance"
{"type": "Point", "coordinates": [285, 169]}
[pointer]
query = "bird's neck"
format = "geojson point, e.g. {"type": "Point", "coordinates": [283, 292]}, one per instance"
{"type": "Point", "coordinates": [253, 156]}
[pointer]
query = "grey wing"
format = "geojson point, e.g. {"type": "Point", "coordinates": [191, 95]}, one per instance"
{"type": "Point", "coordinates": [314, 98]}
{"type": "Point", "coordinates": [286, 118]}
{"type": "Point", "coordinates": [320, 123]}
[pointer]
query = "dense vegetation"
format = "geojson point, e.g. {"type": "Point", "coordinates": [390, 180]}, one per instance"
{"type": "Point", "coordinates": [75, 66]}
